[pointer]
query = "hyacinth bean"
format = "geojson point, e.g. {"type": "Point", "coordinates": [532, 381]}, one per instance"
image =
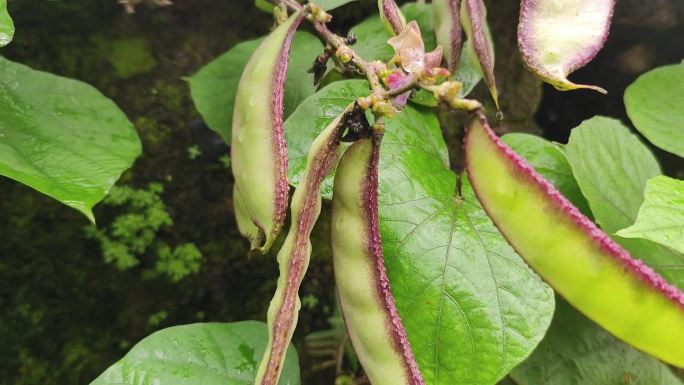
{"type": "Point", "coordinates": [558, 37]}
{"type": "Point", "coordinates": [258, 150]}
{"type": "Point", "coordinates": [474, 21]}
{"type": "Point", "coordinates": [391, 16]}
{"type": "Point", "coordinates": [448, 30]}
{"type": "Point", "coordinates": [571, 253]}
{"type": "Point", "coordinates": [293, 257]}
{"type": "Point", "coordinates": [372, 320]}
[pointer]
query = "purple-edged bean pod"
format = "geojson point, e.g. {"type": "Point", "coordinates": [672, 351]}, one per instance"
{"type": "Point", "coordinates": [474, 21]}
{"type": "Point", "coordinates": [258, 149]}
{"type": "Point", "coordinates": [391, 16]}
{"type": "Point", "coordinates": [374, 326]}
{"type": "Point", "coordinates": [581, 262]}
{"type": "Point", "coordinates": [558, 37]}
{"type": "Point", "coordinates": [293, 257]}
{"type": "Point", "coordinates": [448, 30]}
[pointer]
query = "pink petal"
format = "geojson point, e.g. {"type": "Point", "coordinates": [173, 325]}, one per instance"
{"type": "Point", "coordinates": [410, 48]}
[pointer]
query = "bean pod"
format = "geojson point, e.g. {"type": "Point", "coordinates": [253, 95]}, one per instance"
{"type": "Point", "coordinates": [293, 257]}
{"type": "Point", "coordinates": [448, 30]}
{"type": "Point", "coordinates": [258, 150]}
{"type": "Point", "coordinates": [568, 250]}
{"type": "Point", "coordinates": [558, 37]}
{"type": "Point", "coordinates": [391, 16]}
{"type": "Point", "coordinates": [474, 21]}
{"type": "Point", "coordinates": [372, 320]}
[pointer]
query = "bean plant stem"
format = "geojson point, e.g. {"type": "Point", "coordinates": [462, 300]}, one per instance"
{"type": "Point", "coordinates": [336, 42]}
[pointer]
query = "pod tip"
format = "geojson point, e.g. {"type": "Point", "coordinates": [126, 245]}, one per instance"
{"type": "Point", "coordinates": [566, 85]}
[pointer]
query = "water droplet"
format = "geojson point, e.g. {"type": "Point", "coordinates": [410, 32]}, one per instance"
{"type": "Point", "coordinates": [499, 115]}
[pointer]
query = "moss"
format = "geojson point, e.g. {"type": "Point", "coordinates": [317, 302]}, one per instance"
{"type": "Point", "coordinates": [128, 56]}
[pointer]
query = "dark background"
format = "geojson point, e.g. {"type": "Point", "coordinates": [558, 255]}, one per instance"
{"type": "Point", "coordinates": [66, 315]}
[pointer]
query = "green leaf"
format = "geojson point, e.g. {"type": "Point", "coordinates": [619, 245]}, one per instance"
{"type": "Point", "coordinates": [207, 354]}
{"type": "Point", "coordinates": [329, 5]}
{"type": "Point", "coordinates": [62, 137]}
{"type": "Point", "coordinates": [264, 5]}
{"type": "Point", "coordinates": [611, 167]}
{"type": "Point", "coordinates": [311, 117]}
{"type": "Point", "coordinates": [214, 86]}
{"type": "Point", "coordinates": [661, 217]}
{"type": "Point", "coordinates": [469, 72]}
{"type": "Point", "coordinates": [6, 25]}
{"type": "Point", "coordinates": [471, 307]}
{"type": "Point", "coordinates": [576, 351]}
{"type": "Point", "coordinates": [424, 98]}
{"type": "Point", "coordinates": [506, 381]}
{"type": "Point", "coordinates": [299, 84]}
{"type": "Point", "coordinates": [654, 104]}
{"type": "Point", "coordinates": [548, 160]}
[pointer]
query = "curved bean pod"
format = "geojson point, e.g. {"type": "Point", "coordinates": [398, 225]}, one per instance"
{"type": "Point", "coordinates": [293, 257]}
{"type": "Point", "coordinates": [448, 30]}
{"type": "Point", "coordinates": [391, 16]}
{"type": "Point", "coordinates": [372, 320]}
{"type": "Point", "coordinates": [556, 38]}
{"type": "Point", "coordinates": [258, 150]}
{"type": "Point", "coordinates": [244, 222]}
{"type": "Point", "coordinates": [474, 21]}
{"type": "Point", "coordinates": [568, 250]}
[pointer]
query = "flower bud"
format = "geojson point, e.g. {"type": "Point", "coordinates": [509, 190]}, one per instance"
{"type": "Point", "coordinates": [344, 54]}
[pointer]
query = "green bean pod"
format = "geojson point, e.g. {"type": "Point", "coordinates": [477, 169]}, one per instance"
{"type": "Point", "coordinates": [474, 21]}
{"type": "Point", "coordinates": [448, 30]}
{"type": "Point", "coordinates": [556, 38]}
{"type": "Point", "coordinates": [391, 16]}
{"type": "Point", "coordinates": [258, 150]}
{"type": "Point", "coordinates": [374, 326]}
{"type": "Point", "coordinates": [293, 257]}
{"type": "Point", "coordinates": [571, 253]}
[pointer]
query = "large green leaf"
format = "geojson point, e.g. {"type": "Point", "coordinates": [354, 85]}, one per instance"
{"type": "Point", "coordinates": [214, 86]}
{"type": "Point", "coordinates": [6, 25]}
{"type": "Point", "coordinates": [299, 83]}
{"type": "Point", "coordinates": [576, 351]}
{"type": "Point", "coordinates": [548, 160]}
{"type": "Point", "coordinates": [61, 136]}
{"type": "Point", "coordinates": [654, 104]}
{"type": "Point", "coordinates": [207, 354]}
{"type": "Point", "coordinates": [661, 217]}
{"type": "Point", "coordinates": [612, 167]}
{"type": "Point", "coordinates": [471, 307]}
